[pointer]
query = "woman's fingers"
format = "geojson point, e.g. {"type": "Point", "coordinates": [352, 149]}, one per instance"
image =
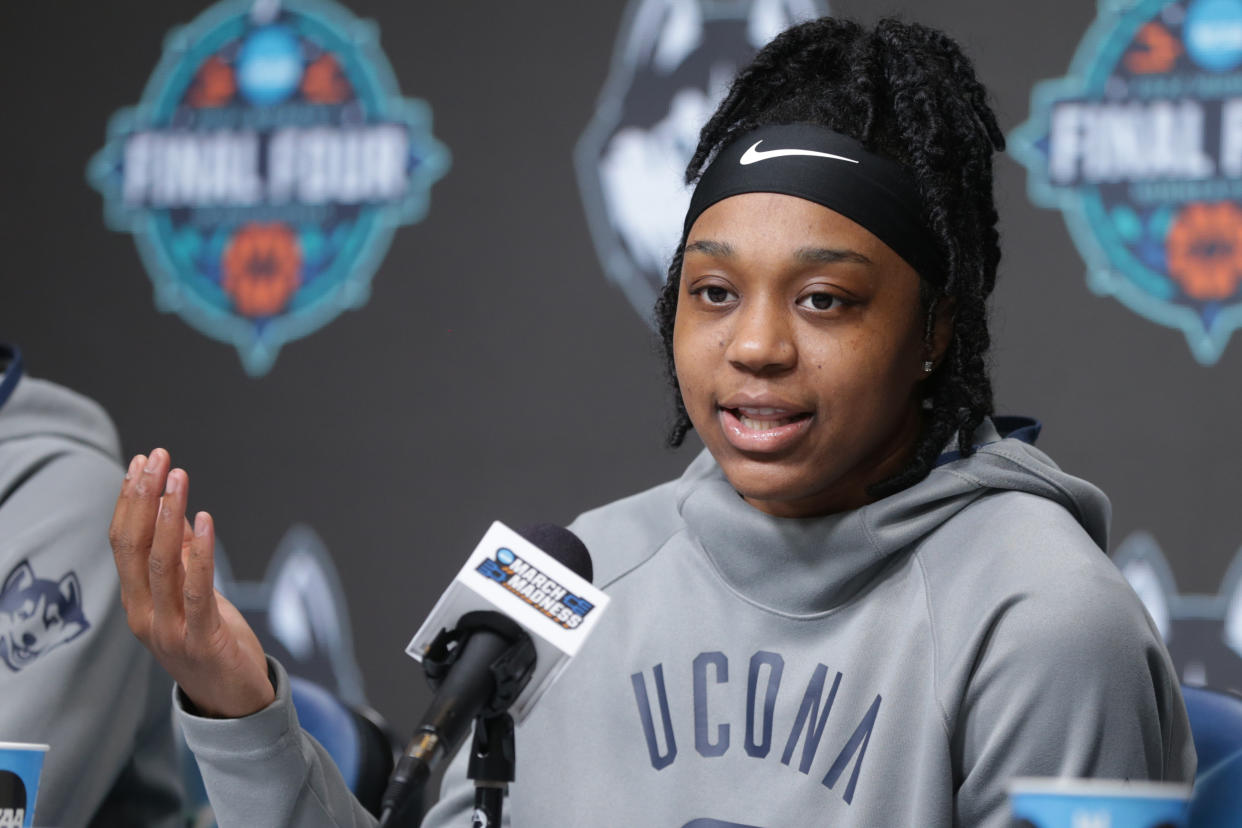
{"type": "Point", "coordinates": [187, 535]}
{"type": "Point", "coordinates": [145, 493]}
{"type": "Point", "coordinates": [133, 526]}
{"type": "Point", "coordinates": [131, 567]}
{"type": "Point", "coordinates": [167, 568]}
{"type": "Point", "coordinates": [202, 616]}
{"type": "Point", "coordinates": [122, 498]}
{"type": "Point", "coordinates": [164, 563]}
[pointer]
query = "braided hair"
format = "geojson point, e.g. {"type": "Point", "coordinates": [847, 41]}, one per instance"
{"type": "Point", "coordinates": [906, 92]}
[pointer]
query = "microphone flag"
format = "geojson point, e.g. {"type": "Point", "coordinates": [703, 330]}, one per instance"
{"type": "Point", "coordinates": [508, 574]}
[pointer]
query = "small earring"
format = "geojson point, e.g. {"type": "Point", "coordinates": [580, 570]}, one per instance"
{"type": "Point", "coordinates": [928, 366]}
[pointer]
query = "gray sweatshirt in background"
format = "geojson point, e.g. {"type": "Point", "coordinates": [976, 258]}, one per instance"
{"type": "Point", "coordinates": [891, 666]}
{"type": "Point", "coordinates": [72, 675]}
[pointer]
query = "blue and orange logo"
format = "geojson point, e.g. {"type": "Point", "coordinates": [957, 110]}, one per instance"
{"type": "Point", "coordinates": [265, 169]}
{"type": "Point", "coordinates": [535, 588]}
{"type": "Point", "coordinates": [1140, 147]}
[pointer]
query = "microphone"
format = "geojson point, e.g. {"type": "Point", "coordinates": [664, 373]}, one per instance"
{"type": "Point", "coordinates": [500, 635]}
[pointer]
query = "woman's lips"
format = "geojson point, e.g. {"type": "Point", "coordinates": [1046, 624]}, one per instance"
{"type": "Point", "coordinates": [762, 428]}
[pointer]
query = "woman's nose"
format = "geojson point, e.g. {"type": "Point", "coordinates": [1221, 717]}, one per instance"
{"type": "Point", "coordinates": [762, 341]}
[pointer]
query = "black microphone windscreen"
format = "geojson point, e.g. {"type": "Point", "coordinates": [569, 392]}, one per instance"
{"type": "Point", "coordinates": [561, 544]}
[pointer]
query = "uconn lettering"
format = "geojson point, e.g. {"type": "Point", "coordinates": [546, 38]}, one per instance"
{"type": "Point", "coordinates": [714, 737]}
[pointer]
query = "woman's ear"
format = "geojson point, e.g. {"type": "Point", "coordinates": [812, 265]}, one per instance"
{"type": "Point", "coordinates": [939, 332]}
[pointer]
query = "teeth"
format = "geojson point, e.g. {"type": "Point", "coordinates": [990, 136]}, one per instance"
{"type": "Point", "coordinates": [762, 425]}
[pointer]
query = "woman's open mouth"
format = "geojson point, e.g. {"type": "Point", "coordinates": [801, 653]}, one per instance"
{"type": "Point", "coordinates": [758, 428]}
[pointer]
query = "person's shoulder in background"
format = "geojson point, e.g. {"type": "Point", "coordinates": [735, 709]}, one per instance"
{"type": "Point", "coordinates": [72, 674]}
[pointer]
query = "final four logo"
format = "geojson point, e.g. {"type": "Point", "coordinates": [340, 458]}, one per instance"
{"type": "Point", "coordinates": [265, 169]}
{"type": "Point", "coordinates": [1140, 147]}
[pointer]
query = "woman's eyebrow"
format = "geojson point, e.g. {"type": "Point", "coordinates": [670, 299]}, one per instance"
{"type": "Point", "coordinates": [825, 255]}
{"type": "Point", "coordinates": [711, 248]}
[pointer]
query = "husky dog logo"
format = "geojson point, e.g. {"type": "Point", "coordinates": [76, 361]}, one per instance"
{"type": "Point", "coordinates": [37, 615]}
{"type": "Point", "coordinates": [671, 65]}
{"type": "Point", "coordinates": [1203, 632]}
{"type": "Point", "coordinates": [298, 611]}
{"type": "Point", "coordinates": [1140, 147]}
{"type": "Point", "coordinates": [265, 170]}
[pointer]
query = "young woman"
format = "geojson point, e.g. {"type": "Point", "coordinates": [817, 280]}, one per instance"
{"type": "Point", "coordinates": [866, 603]}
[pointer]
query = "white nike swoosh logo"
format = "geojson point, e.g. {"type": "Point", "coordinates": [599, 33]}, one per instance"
{"type": "Point", "coordinates": [753, 155]}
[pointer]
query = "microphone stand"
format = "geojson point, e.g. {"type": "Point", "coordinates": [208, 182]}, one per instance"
{"type": "Point", "coordinates": [492, 761]}
{"type": "Point", "coordinates": [478, 670]}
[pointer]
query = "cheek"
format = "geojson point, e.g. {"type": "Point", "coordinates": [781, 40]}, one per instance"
{"type": "Point", "coordinates": [689, 381]}
{"type": "Point", "coordinates": [683, 369]}
{"type": "Point", "coordinates": [854, 375]}
{"type": "Point", "coordinates": [695, 351]}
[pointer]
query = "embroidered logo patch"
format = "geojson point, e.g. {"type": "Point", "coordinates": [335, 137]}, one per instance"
{"type": "Point", "coordinates": [37, 615]}
{"type": "Point", "coordinates": [265, 169]}
{"type": "Point", "coordinates": [1140, 147]}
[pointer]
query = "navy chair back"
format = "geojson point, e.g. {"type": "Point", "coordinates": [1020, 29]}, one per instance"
{"type": "Point", "coordinates": [1216, 724]}
{"type": "Point", "coordinates": [359, 741]}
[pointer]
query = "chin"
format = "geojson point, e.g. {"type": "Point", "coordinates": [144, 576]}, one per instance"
{"type": "Point", "coordinates": [773, 485]}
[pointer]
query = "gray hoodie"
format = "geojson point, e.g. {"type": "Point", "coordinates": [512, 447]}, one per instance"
{"type": "Point", "coordinates": [890, 666]}
{"type": "Point", "coordinates": [71, 673]}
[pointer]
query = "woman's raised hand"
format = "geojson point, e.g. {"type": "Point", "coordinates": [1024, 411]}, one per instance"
{"type": "Point", "coordinates": [166, 569]}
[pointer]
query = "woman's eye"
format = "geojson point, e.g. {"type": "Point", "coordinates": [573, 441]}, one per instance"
{"type": "Point", "coordinates": [715, 294]}
{"type": "Point", "coordinates": [819, 301]}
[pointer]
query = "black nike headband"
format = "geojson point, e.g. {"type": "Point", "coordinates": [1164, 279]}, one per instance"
{"type": "Point", "coordinates": [813, 162]}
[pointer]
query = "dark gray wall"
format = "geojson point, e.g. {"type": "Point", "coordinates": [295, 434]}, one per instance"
{"type": "Point", "coordinates": [494, 372]}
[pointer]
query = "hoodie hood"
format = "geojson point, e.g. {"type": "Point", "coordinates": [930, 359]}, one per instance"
{"type": "Point", "coordinates": [41, 419]}
{"type": "Point", "coordinates": [805, 566]}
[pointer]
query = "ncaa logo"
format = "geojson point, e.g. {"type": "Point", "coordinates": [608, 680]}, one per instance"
{"type": "Point", "coordinates": [265, 169]}
{"type": "Point", "coordinates": [1140, 147]}
{"type": "Point", "coordinates": [672, 63]}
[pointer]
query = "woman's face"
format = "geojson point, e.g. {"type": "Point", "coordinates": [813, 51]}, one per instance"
{"type": "Point", "coordinates": [799, 349]}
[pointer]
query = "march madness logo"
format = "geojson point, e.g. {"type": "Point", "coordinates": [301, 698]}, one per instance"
{"type": "Point", "coordinates": [535, 588]}
{"type": "Point", "coordinates": [671, 65]}
{"type": "Point", "coordinates": [1140, 147]}
{"type": "Point", "coordinates": [265, 169]}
